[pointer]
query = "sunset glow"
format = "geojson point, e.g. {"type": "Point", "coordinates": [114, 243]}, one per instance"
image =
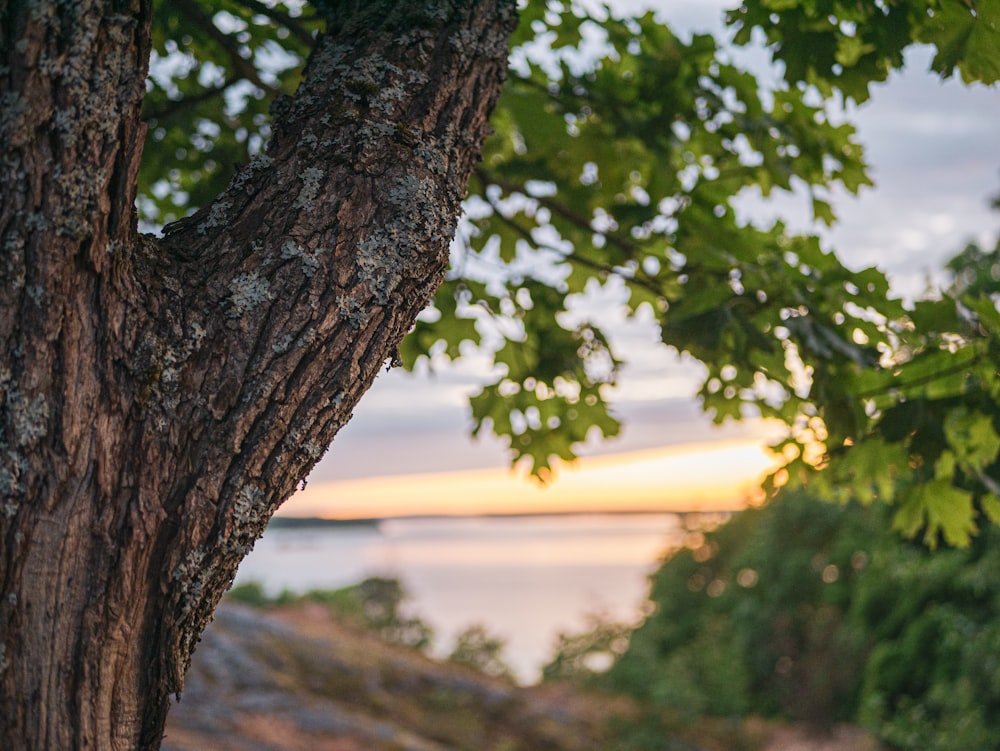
{"type": "Point", "coordinates": [704, 477]}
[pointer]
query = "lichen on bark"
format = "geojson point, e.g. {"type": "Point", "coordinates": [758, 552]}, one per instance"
{"type": "Point", "coordinates": [161, 397]}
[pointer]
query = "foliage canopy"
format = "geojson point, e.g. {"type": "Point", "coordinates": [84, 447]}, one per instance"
{"type": "Point", "coordinates": [619, 151]}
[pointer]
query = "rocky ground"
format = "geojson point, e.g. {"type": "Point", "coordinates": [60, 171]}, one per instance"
{"type": "Point", "coordinates": [293, 680]}
{"type": "Point", "coordinates": [296, 680]}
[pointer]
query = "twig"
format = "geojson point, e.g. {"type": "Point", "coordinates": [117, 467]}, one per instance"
{"type": "Point", "coordinates": [240, 64]}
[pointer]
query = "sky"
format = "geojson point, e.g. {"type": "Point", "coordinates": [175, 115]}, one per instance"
{"type": "Point", "coordinates": [934, 151]}
{"type": "Point", "coordinates": [683, 478]}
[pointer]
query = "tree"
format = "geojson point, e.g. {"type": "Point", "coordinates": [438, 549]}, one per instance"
{"type": "Point", "coordinates": [159, 397]}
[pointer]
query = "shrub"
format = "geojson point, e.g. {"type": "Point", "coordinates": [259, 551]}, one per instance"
{"type": "Point", "coordinates": [819, 613]}
{"type": "Point", "coordinates": [477, 648]}
{"type": "Point", "coordinates": [375, 604]}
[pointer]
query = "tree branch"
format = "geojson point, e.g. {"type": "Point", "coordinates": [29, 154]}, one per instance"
{"type": "Point", "coordinates": [176, 105]}
{"type": "Point", "coordinates": [923, 380]}
{"type": "Point", "coordinates": [227, 43]}
{"type": "Point", "coordinates": [625, 244]}
{"type": "Point", "coordinates": [283, 19]}
{"type": "Point", "coordinates": [571, 257]}
{"type": "Point", "coordinates": [575, 257]}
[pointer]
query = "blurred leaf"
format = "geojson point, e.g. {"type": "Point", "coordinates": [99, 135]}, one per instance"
{"type": "Point", "coordinates": [937, 507]}
{"type": "Point", "coordinates": [967, 38]}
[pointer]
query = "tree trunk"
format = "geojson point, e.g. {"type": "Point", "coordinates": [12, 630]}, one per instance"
{"type": "Point", "coordinates": [160, 398]}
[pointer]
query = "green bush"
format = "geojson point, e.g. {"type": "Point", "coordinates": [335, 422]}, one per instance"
{"type": "Point", "coordinates": [750, 618]}
{"type": "Point", "coordinates": [375, 604]}
{"type": "Point", "coordinates": [578, 657]}
{"type": "Point", "coordinates": [477, 648]}
{"type": "Point", "coordinates": [818, 613]}
{"type": "Point", "coordinates": [252, 593]}
{"type": "Point", "coordinates": [933, 677]}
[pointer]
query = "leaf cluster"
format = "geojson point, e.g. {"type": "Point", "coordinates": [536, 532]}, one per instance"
{"type": "Point", "coordinates": [625, 170]}
{"type": "Point", "coordinates": [845, 46]}
{"type": "Point", "coordinates": [215, 69]}
{"type": "Point", "coordinates": [931, 443]}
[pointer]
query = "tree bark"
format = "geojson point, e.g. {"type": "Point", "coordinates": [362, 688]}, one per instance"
{"type": "Point", "coordinates": [160, 398]}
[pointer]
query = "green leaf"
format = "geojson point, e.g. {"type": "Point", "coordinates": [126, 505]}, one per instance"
{"type": "Point", "coordinates": [990, 505]}
{"type": "Point", "coordinates": [871, 470]}
{"type": "Point", "coordinates": [973, 439]}
{"type": "Point", "coordinates": [823, 212]}
{"type": "Point", "coordinates": [967, 37]}
{"type": "Point", "coordinates": [851, 49]}
{"type": "Point", "coordinates": [938, 508]}
{"type": "Point", "coordinates": [944, 468]}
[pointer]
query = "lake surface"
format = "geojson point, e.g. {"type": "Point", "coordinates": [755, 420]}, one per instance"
{"type": "Point", "coordinates": [526, 578]}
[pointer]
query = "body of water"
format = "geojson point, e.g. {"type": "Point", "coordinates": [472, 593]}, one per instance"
{"type": "Point", "coordinates": [525, 578]}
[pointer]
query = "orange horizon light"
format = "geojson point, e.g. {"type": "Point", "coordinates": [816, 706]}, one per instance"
{"type": "Point", "coordinates": [719, 476]}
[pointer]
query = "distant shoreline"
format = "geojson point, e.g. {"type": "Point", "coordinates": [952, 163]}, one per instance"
{"type": "Point", "coordinates": [308, 522]}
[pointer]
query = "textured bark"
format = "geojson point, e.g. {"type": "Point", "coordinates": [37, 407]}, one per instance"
{"type": "Point", "coordinates": [160, 398]}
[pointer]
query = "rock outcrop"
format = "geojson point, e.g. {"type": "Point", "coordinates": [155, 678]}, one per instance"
{"type": "Point", "coordinates": [296, 679]}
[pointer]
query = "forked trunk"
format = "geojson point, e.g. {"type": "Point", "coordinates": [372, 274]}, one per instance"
{"type": "Point", "coordinates": [160, 398]}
